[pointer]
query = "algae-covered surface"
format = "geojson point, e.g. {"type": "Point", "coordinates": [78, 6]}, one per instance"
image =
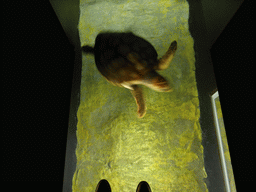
{"type": "Point", "coordinates": [163, 148]}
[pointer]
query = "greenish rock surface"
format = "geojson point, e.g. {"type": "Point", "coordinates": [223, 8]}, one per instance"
{"type": "Point", "coordinates": [163, 148]}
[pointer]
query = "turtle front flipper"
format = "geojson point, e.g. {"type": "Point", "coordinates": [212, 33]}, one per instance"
{"type": "Point", "coordinates": [138, 95]}
{"type": "Point", "coordinates": [165, 61]}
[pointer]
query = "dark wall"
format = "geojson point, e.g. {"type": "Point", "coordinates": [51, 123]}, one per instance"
{"type": "Point", "coordinates": [232, 57]}
{"type": "Point", "coordinates": [37, 77]}
{"type": "Point", "coordinates": [68, 15]}
{"type": "Point", "coordinates": [217, 14]}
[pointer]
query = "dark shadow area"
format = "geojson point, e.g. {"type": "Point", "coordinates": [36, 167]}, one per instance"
{"type": "Point", "coordinates": [68, 15]}
{"type": "Point", "coordinates": [232, 57]}
{"type": "Point", "coordinates": [37, 79]}
{"type": "Point", "coordinates": [231, 64]}
{"type": "Point", "coordinates": [205, 85]}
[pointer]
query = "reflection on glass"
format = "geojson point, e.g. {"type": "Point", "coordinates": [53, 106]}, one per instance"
{"type": "Point", "coordinates": [223, 144]}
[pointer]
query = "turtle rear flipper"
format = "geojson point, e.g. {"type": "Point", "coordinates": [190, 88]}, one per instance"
{"type": "Point", "coordinates": [138, 95]}
{"type": "Point", "coordinates": [165, 61]}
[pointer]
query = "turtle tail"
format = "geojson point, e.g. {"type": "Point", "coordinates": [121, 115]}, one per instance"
{"type": "Point", "coordinates": [88, 49]}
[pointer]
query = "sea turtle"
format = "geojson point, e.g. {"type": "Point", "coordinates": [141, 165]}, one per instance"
{"type": "Point", "coordinates": [127, 60]}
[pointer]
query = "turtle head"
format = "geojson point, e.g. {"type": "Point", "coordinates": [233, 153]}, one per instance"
{"type": "Point", "coordinates": [160, 84]}
{"type": "Point", "coordinates": [156, 82]}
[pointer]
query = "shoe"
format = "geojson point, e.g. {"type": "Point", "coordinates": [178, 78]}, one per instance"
{"type": "Point", "coordinates": [143, 187]}
{"type": "Point", "coordinates": [103, 186]}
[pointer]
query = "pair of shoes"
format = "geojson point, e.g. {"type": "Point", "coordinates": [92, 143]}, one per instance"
{"type": "Point", "coordinates": [103, 186]}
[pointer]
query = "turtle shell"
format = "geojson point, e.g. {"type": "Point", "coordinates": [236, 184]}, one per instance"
{"type": "Point", "coordinates": [122, 57]}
